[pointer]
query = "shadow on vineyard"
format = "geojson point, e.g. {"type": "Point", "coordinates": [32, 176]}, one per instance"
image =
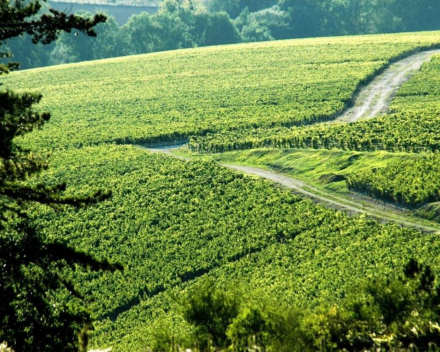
{"type": "Point", "coordinates": [191, 276]}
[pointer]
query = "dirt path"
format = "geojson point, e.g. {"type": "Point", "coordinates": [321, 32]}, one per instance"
{"type": "Point", "coordinates": [165, 150]}
{"type": "Point", "coordinates": [302, 188]}
{"type": "Point", "coordinates": [376, 98]}
{"type": "Point", "coordinates": [332, 199]}
{"type": "Point", "coordinates": [372, 101]}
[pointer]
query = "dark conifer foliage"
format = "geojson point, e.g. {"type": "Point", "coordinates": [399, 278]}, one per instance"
{"type": "Point", "coordinates": [19, 17]}
{"type": "Point", "coordinates": [32, 315]}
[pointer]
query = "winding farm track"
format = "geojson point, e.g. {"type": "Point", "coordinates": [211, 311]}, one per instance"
{"type": "Point", "coordinates": [372, 101]}
{"type": "Point", "coordinates": [302, 188]}
{"type": "Point", "coordinates": [352, 206]}
{"type": "Point", "coordinates": [376, 97]}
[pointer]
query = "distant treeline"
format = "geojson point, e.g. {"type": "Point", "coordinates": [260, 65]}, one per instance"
{"type": "Point", "coordinates": [193, 23]}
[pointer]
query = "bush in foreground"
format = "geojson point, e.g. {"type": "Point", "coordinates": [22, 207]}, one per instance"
{"type": "Point", "coordinates": [399, 314]}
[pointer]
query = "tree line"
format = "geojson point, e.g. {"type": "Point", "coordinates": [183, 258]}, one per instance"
{"type": "Point", "coordinates": [191, 23]}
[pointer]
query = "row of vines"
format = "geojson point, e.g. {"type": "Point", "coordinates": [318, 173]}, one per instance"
{"type": "Point", "coordinates": [179, 94]}
{"type": "Point", "coordinates": [412, 126]}
{"type": "Point", "coordinates": [412, 182]}
{"type": "Point", "coordinates": [171, 222]}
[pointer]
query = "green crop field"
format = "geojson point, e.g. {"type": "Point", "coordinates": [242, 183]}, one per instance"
{"type": "Point", "coordinates": [173, 222]}
{"type": "Point", "coordinates": [410, 132]}
{"type": "Point", "coordinates": [412, 125]}
{"type": "Point", "coordinates": [176, 95]}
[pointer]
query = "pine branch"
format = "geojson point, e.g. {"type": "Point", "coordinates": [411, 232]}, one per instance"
{"type": "Point", "coordinates": [45, 28]}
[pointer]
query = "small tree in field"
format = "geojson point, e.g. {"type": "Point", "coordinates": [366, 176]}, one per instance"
{"type": "Point", "coordinates": [31, 317]}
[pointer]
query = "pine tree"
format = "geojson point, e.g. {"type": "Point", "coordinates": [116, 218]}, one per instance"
{"type": "Point", "coordinates": [31, 316]}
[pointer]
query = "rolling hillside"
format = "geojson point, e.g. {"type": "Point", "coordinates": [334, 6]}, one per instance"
{"type": "Point", "coordinates": [174, 222]}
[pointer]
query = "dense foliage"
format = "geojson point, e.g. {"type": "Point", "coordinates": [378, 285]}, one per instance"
{"type": "Point", "coordinates": [178, 24]}
{"type": "Point", "coordinates": [172, 222]}
{"type": "Point", "coordinates": [392, 314]}
{"type": "Point", "coordinates": [410, 182]}
{"type": "Point", "coordinates": [412, 126]}
{"type": "Point", "coordinates": [192, 23]}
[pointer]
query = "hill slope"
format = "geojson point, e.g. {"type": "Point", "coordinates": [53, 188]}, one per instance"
{"type": "Point", "coordinates": [173, 222]}
{"type": "Point", "coordinates": [173, 95]}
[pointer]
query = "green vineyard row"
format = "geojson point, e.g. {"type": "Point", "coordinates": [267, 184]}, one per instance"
{"type": "Point", "coordinates": [412, 126]}
{"type": "Point", "coordinates": [170, 222]}
{"type": "Point", "coordinates": [412, 182]}
{"type": "Point", "coordinates": [175, 95]}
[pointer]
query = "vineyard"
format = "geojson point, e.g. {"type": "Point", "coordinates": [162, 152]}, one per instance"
{"type": "Point", "coordinates": [411, 126]}
{"type": "Point", "coordinates": [407, 182]}
{"type": "Point", "coordinates": [172, 223]}
{"type": "Point", "coordinates": [179, 94]}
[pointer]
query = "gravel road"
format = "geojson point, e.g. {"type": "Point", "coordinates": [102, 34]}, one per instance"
{"type": "Point", "coordinates": [376, 97]}
{"type": "Point", "coordinates": [372, 101]}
